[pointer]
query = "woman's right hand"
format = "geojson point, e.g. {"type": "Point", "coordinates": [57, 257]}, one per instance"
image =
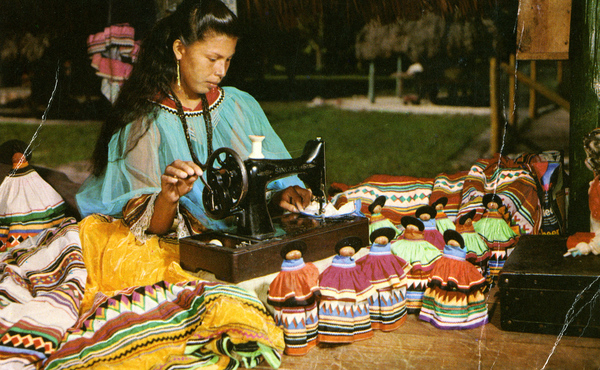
{"type": "Point", "coordinates": [178, 179]}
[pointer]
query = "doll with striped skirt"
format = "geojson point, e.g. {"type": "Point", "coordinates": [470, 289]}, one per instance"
{"type": "Point", "coordinates": [477, 251]}
{"type": "Point", "coordinates": [454, 298]}
{"type": "Point", "coordinates": [294, 294]}
{"type": "Point", "coordinates": [496, 232]}
{"type": "Point", "coordinates": [377, 219]}
{"type": "Point", "coordinates": [387, 273]}
{"type": "Point", "coordinates": [421, 255]}
{"type": "Point", "coordinates": [344, 315]}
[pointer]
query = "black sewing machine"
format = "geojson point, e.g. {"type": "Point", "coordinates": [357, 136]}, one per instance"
{"type": "Point", "coordinates": [238, 188]}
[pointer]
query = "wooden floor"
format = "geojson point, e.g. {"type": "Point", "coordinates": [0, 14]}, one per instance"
{"type": "Point", "coordinates": [419, 345]}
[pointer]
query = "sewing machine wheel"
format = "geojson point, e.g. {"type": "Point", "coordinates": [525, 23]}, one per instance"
{"type": "Point", "coordinates": [228, 181]}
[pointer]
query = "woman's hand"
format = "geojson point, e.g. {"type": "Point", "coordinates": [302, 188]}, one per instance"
{"type": "Point", "coordinates": [293, 199]}
{"type": "Point", "coordinates": [178, 179]}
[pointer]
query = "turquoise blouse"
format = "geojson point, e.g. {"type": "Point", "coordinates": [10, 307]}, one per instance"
{"type": "Point", "coordinates": [235, 115]}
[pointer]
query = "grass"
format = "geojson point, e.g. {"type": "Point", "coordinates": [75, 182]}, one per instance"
{"type": "Point", "coordinates": [55, 144]}
{"type": "Point", "coordinates": [358, 144]}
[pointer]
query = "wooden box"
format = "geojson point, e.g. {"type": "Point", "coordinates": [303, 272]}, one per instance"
{"type": "Point", "coordinates": [543, 292]}
{"type": "Point", "coordinates": [241, 258]}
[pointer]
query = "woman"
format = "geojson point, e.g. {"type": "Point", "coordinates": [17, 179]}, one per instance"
{"type": "Point", "coordinates": [169, 116]}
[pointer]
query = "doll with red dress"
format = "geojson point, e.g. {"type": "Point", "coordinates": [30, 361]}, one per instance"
{"type": "Point", "coordinates": [454, 297]}
{"type": "Point", "coordinates": [344, 315]}
{"type": "Point", "coordinates": [421, 255]}
{"type": "Point", "coordinates": [427, 216]}
{"type": "Point", "coordinates": [387, 273]}
{"type": "Point", "coordinates": [294, 294]}
{"type": "Point", "coordinates": [496, 232]}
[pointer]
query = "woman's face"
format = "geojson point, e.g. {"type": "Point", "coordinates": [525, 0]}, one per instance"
{"type": "Point", "coordinates": [203, 64]}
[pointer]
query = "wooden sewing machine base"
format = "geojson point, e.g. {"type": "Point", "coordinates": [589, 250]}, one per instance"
{"type": "Point", "coordinates": [243, 258]}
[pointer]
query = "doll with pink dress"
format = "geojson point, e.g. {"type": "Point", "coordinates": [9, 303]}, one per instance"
{"type": "Point", "coordinates": [344, 315]}
{"type": "Point", "coordinates": [387, 274]}
{"type": "Point", "coordinates": [427, 216]}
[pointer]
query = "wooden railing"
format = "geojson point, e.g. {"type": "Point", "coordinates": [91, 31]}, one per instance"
{"type": "Point", "coordinates": [514, 75]}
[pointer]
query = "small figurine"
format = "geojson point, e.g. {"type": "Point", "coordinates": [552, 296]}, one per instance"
{"type": "Point", "coordinates": [496, 232]}
{"type": "Point", "coordinates": [454, 297]}
{"type": "Point", "coordinates": [344, 315]}
{"type": "Point", "coordinates": [421, 255]}
{"type": "Point", "coordinates": [427, 215]}
{"type": "Point", "coordinates": [293, 295]}
{"type": "Point", "coordinates": [442, 221]}
{"type": "Point", "coordinates": [28, 204]}
{"type": "Point", "coordinates": [387, 273]}
{"type": "Point", "coordinates": [377, 219]}
{"type": "Point", "coordinates": [477, 250]}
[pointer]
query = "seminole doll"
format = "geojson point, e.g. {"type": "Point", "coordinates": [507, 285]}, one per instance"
{"type": "Point", "coordinates": [387, 273]}
{"type": "Point", "coordinates": [293, 295]}
{"type": "Point", "coordinates": [496, 232]}
{"type": "Point", "coordinates": [454, 297]}
{"type": "Point", "coordinates": [421, 255]}
{"type": "Point", "coordinates": [427, 216]}
{"type": "Point", "coordinates": [377, 219]}
{"type": "Point", "coordinates": [344, 315]}
{"type": "Point", "coordinates": [477, 251]}
{"type": "Point", "coordinates": [442, 221]}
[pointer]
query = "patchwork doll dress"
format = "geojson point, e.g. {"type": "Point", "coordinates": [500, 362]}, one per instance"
{"type": "Point", "coordinates": [454, 297]}
{"type": "Point", "coordinates": [344, 314]}
{"type": "Point", "coordinates": [293, 295]}
{"type": "Point", "coordinates": [387, 273]}
{"type": "Point", "coordinates": [421, 255]}
{"type": "Point", "coordinates": [498, 236]}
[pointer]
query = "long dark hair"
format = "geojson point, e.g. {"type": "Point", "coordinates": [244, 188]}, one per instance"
{"type": "Point", "coordinates": [155, 68]}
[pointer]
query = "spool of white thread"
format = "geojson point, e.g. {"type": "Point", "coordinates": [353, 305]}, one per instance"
{"type": "Point", "coordinates": [256, 147]}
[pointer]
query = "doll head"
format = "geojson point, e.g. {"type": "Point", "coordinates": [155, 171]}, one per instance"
{"type": "Point", "coordinates": [440, 203]}
{"type": "Point", "coordinates": [377, 204]}
{"type": "Point", "coordinates": [412, 224]}
{"type": "Point", "coordinates": [425, 213]}
{"type": "Point", "coordinates": [382, 236]}
{"type": "Point", "coordinates": [13, 152]}
{"type": "Point", "coordinates": [491, 201]}
{"type": "Point", "coordinates": [347, 247]}
{"type": "Point", "coordinates": [453, 238]}
{"type": "Point", "coordinates": [467, 218]}
{"type": "Point", "coordinates": [293, 251]}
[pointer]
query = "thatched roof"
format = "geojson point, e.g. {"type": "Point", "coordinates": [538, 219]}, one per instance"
{"type": "Point", "coordinates": [287, 11]}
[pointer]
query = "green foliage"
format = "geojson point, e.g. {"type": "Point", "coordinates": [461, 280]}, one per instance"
{"type": "Point", "coordinates": [360, 144]}
{"type": "Point", "coordinates": [55, 144]}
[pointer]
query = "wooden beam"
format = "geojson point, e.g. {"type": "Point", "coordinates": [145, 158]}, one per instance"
{"type": "Point", "coordinates": [532, 92]}
{"type": "Point", "coordinates": [541, 89]}
{"type": "Point", "coordinates": [512, 91]}
{"type": "Point", "coordinates": [584, 117]}
{"type": "Point", "coordinates": [495, 126]}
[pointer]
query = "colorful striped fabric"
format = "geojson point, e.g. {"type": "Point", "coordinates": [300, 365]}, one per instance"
{"type": "Point", "coordinates": [184, 325]}
{"type": "Point", "coordinates": [28, 205]}
{"type": "Point", "coordinates": [404, 194]}
{"type": "Point", "coordinates": [449, 186]}
{"type": "Point", "coordinates": [509, 180]}
{"type": "Point", "coordinates": [41, 288]}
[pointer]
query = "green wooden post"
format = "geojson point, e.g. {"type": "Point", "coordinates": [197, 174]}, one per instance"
{"type": "Point", "coordinates": [584, 55]}
{"type": "Point", "coordinates": [399, 77]}
{"type": "Point", "coordinates": [372, 81]}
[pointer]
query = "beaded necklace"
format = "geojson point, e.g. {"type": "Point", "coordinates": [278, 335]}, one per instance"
{"type": "Point", "coordinates": [207, 123]}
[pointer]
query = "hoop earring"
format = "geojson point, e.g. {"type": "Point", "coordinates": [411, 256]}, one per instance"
{"type": "Point", "coordinates": [178, 76]}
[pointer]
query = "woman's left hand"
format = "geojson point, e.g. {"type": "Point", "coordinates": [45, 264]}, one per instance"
{"type": "Point", "coordinates": [293, 199]}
